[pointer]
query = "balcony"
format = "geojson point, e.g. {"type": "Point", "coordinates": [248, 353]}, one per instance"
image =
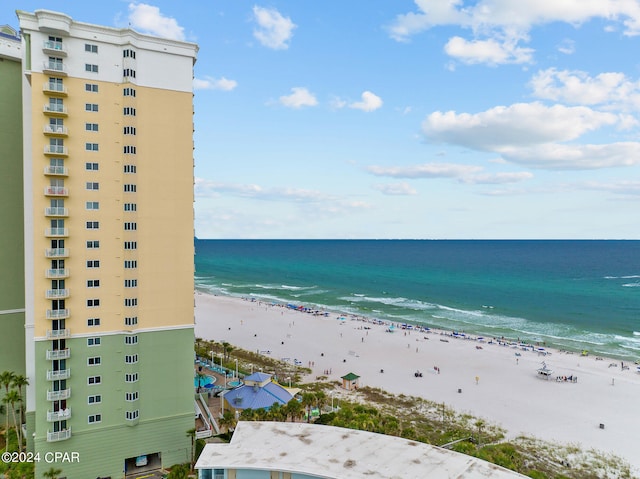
{"type": "Point", "coordinates": [54, 68]}
{"type": "Point", "coordinates": [58, 375]}
{"type": "Point", "coordinates": [57, 150]}
{"type": "Point", "coordinates": [58, 435]}
{"type": "Point", "coordinates": [56, 232]}
{"type": "Point", "coordinates": [54, 109]}
{"type": "Point", "coordinates": [57, 294]}
{"type": "Point", "coordinates": [58, 354]}
{"type": "Point", "coordinates": [58, 395]}
{"type": "Point", "coordinates": [61, 415]}
{"type": "Point", "coordinates": [57, 313]}
{"type": "Point", "coordinates": [56, 253]}
{"type": "Point", "coordinates": [56, 191]}
{"type": "Point", "coordinates": [56, 211]}
{"type": "Point", "coordinates": [56, 170]}
{"type": "Point", "coordinates": [56, 89]}
{"type": "Point", "coordinates": [58, 333]}
{"type": "Point", "coordinates": [56, 273]}
{"type": "Point", "coordinates": [54, 48]}
{"type": "Point", "coordinates": [55, 130]}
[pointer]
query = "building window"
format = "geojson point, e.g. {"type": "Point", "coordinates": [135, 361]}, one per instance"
{"type": "Point", "coordinates": [130, 264]}
{"type": "Point", "coordinates": [96, 399]}
{"type": "Point", "coordinates": [91, 126]}
{"type": "Point", "coordinates": [94, 380]}
{"type": "Point", "coordinates": [91, 146]}
{"type": "Point", "coordinates": [130, 245]}
{"type": "Point", "coordinates": [129, 92]}
{"type": "Point", "coordinates": [93, 225]}
{"type": "Point", "coordinates": [128, 188]}
{"type": "Point", "coordinates": [129, 111]}
{"type": "Point", "coordinates": [131, 321]}
{"type": "Point", "coordinates": [130, 226]}
{"type": "Point", "coordinates": [131, 359]}
{"type": "Point", "coordinates": [132, 415]}
{"type": "Point", "coordinates": [129, 130]}
{"type": "Point", "coordinates": [94, 361]}
{"type": "Point", "coordinates": [129, 72]}
{"type": "Point", "coordinates": [93, 283]}
{"type": "Point", "coordinates": [131, 396]}
{"type": "Point", "coordinates": [93, 185]}
{"type": "Point", "coordinates": [131, 377]}
{"type": "Point", "coordinates": [88, 67]}
{"type": "Point", "coordinates": [131, 340]}
{"type": "Point", "coordinates": [130, 283]}
{"type": "Point", "coordinates": [93, 341]}
{"type": "Point", "coordinates": [90, 48]}
{"type": "Point", "coordinates": [92, 87]}
{"type": "Point", "coordinates": [128, 53]}
{"type": "Point", "coordinates": [93, 205]}
{"type": "Point", "coordinates": [130, 168]}
{"type": "Point", "coordinates": [90, 107]}
{"type": "Point", "coordinates": [129, 150]}
{"type": "Point", "coordinates": [130, 302]}
{"type": "Point", "coordinates": [94, 418]}
{"type": "Point", "coordinates": [91, 167]}
{"type": "Point", "coordinates": [130, 207]}
{"type": "Point", "coordinates": [93, 263]}
{"type": "Point", "coordinates": [93, 244]}
{"type": "Point", "coordinates": [93, 322]}
{"type": "Point", "coordinates": [93, 303]}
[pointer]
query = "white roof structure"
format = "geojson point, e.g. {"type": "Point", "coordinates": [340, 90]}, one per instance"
{"type": "Point", "coordinates": [338, 453]}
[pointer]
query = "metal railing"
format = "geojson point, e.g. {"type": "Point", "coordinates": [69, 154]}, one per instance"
{"type": "Point", "coordinates": [54, 108]}
{"type": "Point", "coordinates": [55, 150]}
{"type": "Point", "coordinates": [56, 211]}
{"type": "Point", "coordinates": [56, 191]}
{"type": "Point", "coordinates": [56, 273]}
{"type": "Point", "coordinates": [56, 232]}
{"type": "Point", "coordinates": [56, 170]}
{"type": "Point", "coordinates": [55, 130]}
{"type": "Point", "coordinates": [60, 415]}
{"type": "Point", "coordinates": [57, 313]}
{"type": "Point", "coordinates": [57, 294]}
{"type": "Point", "coordinates": [56, 253]}
{"type": "Point", "coordinates": [58, 435]}
{"type": "Point", "coordinates": [58, 375]}
{"type": "Point", "coordinates": [59, 395]}
{"type": "Point", "coordinates": [58, 354]}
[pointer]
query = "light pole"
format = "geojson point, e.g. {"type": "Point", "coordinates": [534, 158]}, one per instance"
{"type": "Point", "coordinates": [237, 377]}
{"type": "Point", "coordinates": [331, 394]}
{"type": "Point", "coordinates": [212, 362]}
{"type": "Point", "coordinates": [289, 379]}
{"type": "Point", "coordinates": [251, 368]}
{"type": "Point", "coordinates": [224, 373]}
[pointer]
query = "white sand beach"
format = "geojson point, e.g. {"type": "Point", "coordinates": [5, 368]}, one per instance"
{"type": "Point", "coordinates": [495, 383]}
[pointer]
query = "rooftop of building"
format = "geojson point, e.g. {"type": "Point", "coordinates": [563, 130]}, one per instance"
{"type": "Point", "coordinates": [333, 452]}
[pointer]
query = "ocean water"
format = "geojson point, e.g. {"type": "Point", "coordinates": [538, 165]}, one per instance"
{"type": "Point", "coordinates": [574, 295]}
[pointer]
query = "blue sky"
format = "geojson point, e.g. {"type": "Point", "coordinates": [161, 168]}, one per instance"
{"type": "Point", "coordinates": [406, 119]}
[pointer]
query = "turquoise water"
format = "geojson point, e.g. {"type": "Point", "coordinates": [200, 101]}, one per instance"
{"type": "Point", "coordinates": [203, 381]}
{"type": "Point", "coordinates": [569, 294]}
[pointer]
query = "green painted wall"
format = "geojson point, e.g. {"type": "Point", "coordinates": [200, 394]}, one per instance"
{"type": "Point", "coordinates": [12, 342]}
{"type": "Point", "coordinates": [166, 405]}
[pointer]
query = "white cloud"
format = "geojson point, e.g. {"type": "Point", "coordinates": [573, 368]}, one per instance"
{"type": "Point", "coordinates": [209, 83]}
{"type": "Point", "coordinates": [623, 187]}
{"type": "Point", "coordinates": [370, 102]}
{"type": "Point", "coordinates": [498, 178]}
{"type": "Point", "coordinates": [517, 125]}
{"type": "Point", "coordinates": [578, 87]}
{"type": "Point", "coordinates": [337, 103]}
{"type": "Point", "coordinates": [568, 47]}
{"type": "Point", "coordinates": [489, 51]}
{"type": "Point", "coordinates": [395, 189]}
{"type": "Point", "coordinates": [428, 170]}
{"type": "Point", "coordinates": [274, 30]}
{"type": "Point", "coordinates": [148, 19]}
{"type": "Point", "coordinates": [299, 97]}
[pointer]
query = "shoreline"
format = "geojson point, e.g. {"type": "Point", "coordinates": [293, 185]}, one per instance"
{"type": "Point", "coordinates": [492, 381]}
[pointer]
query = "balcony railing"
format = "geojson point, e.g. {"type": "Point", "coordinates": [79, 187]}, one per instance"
{"type": "Point", "coordinates": [55, 109]}
{"type": "Point", "coordinates": [56, 253]}
{"type": "Point", "coordinates": [58, 375]}
{"type": "Point", "coordinates": [58, 48]}
{"type": "Point", "coordinates": [56, 211]}
{"type": "Point", "coordinates": [58, 435]}
{"type": "Point", "coordinates": [55, 88]}
{"type": "Point", "coordinates": [56, 170]}
{"type": "Point", "coordinates": [56, 273]}
{"type": "Point", "coordinates": [56, 191]}
{"type": "Point", "coordinates": [56, 150]}
{"type": "Point", "coordinates": [57, 313]}
{"type": "Point", "coordinates": [60, 415]}
{"type": "Point", "coordinates": [58, 354]}
{"type": "Point", "coordinates": [55, 130]}
{"type": "Point", "coordinates": [56, 232]}
{"type": "Point", "coordinates": [59, 395]}
{"type": "Point", "coordinates": [58, 333]}
{"type": "Point", "coordinates": [57, 294]}
{"type": "Point", "coordinates": [54, 67]}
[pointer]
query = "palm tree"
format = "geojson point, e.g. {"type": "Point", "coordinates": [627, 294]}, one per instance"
{"type": "Point", "coordinates": [228, 420]}
{"type": "Point", "coordinates": [12, 398]}
{"type": "Point", "coordinates": [227, 348]}
{"type": "Point", "coordinates": [308, 400]}
{"type": "Point", "coordinates": [20, 381]}
{"type": "Point", "coordinates": [321, 400]}
{"type": "Point", "coordinates": [6, 378]}
{"type": "Point", "coordinates": [479, 424]}
{"type": "Point", "coordinates": [191, 433]}
{"type": "Point", "coordinates": [52, 473]}
{"type": "Point", "coordinates": [276, 412]}
{"type": "Point", "coordinates": [293, 409]}
{"type": "Point", "coordinates": [248, 414]}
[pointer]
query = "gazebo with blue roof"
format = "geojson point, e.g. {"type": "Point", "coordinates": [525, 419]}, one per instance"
{"type": "Point", "coordinates": [257, 392]}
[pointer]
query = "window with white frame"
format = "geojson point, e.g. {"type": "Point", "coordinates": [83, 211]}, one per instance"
{"type": "Point", "coordinates": [93, 185]}
{"type": "Point", "coordinates": [129, 188]}
{"type": "Point", "coordinates": [129, 168]}
{"type": "Point", "coordinates": [89, 67]}
{"type": "Point", "coordinates": [130, 264]}
{"type": "Point", "coordinates": [130, 283]}
{"type": "Point", "coordinates": [132, 415]}
{"type": "Point", "coordinates": [93, 263]}
{"type": "Point", "coordinates": [91, 48]}
{"type": "Point", "coordinates": [94, 361]}
{"type": "Point", "coordinates": [131, 377]}
{"type": "Point", "coordinates": [131, 321]}
{"type": "Point", "coordinates": [91, 147]}
{"type": "Point", "coordinates": [131, 396]}
{"type": "Point", "coordinates": [130, 226]}
{"type": "Point", "coordinates": [131, 358]}
{"type": "Point", "coordinates": [130, 245]}
{"type": "Point", "coordinates": [93, 322]}
{"type": "Point", "coordinates": [93, 283]}
{"type": "Point", "coordinates": [94, 418]}
{"type": "Point", "coordinates": [129, 130]}
{"type": "Point", "coordinates": [91, 167]}
{"type": "Point", "coordinates": [93, 341]}
{"type": "Point", "coordinates": [130, 207]}
{"type": "Point", "coordinates": [93, 244]}
{"type": "Point", "coordinates": [129, 150]}
{"type": "Point", "coordinates": [91, 87]}
{"type": "Point", "coordinates": [94, 399]}
{"type": "Point", "coordinates": [91, 127]}
{"type": "Point", "coordinates": [93, 303]}
{"type": "Point", "coordinates": [130, 302]}
{"type": "Point", "coordinates": [131, 340]}
{"type": "Point", "coordinates": [93, 380]}
{"type": "Point", "coordinates": [93, 225]}
{"type": "Point", "coordinates": [92, 205]}
{"type": "Point", "coordinates": [90, 107]}
{"type": "Point", "coordinates": [129, 111]}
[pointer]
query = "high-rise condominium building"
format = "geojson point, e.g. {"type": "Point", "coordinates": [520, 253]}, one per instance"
{"type": "Point", "coordinates": [107, 160]}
